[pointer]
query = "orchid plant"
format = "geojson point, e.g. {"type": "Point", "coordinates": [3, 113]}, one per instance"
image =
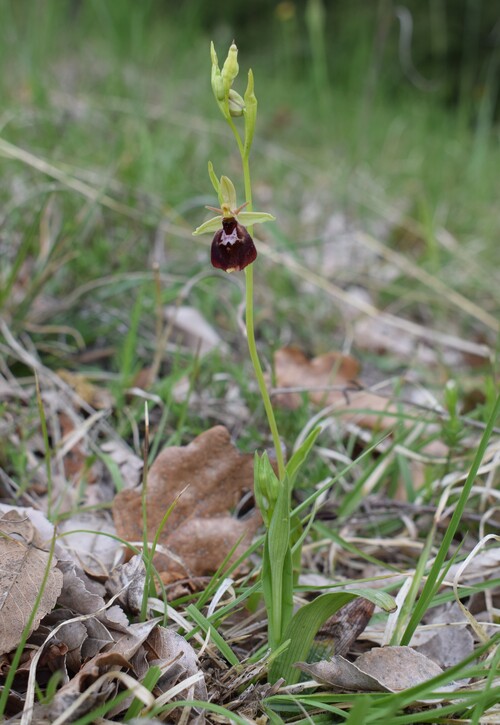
{"type": "Point", "coordinates": [233, 249]}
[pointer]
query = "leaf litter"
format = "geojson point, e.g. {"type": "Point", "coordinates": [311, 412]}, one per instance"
{"type": "Point", "coordinates": [203, 481]}
{"type": "Point", "coordinates": [98, 645]}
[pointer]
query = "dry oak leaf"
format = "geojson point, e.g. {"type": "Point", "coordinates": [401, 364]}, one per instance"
{"type": "Point", "coordinates": [24, 561]}
{"type": "Point", "coordinates": [381, 669]}
{"type": "Point", "coordinates": [67, 695]}
{"type": "Point", "coordinates": [329, 379]}
{"type": "Point", "coordinates": [209, 478]}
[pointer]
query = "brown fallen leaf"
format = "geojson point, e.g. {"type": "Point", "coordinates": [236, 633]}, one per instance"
{"type": "Point", "coordinates": [381, 669]}
{"type": "Point", "coordinates": [67, 695]}
{"type": "Point", "coordinates": [208, 477]}
{"type": "Point", "coordinates": [329, 379]}
{"type": "Point", "coordinates": [130, 579]}
{"type": "Point", "coordinates": [84, 539]}
{"type": "Point", "coordinates": [445, 638]}
{"type": "Point", "coordinates": [340, 631]}
{"type": "Point", "coordinates": [177, 660]}
{"type": "Point", "coordinates": [25, 558]}
{"type": "Point", "coordinates": [73, 635]}
{"type": "Point", "coordinates": [85, 596]}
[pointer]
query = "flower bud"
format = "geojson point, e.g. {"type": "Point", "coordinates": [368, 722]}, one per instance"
{"type": "Point", "coordinates": [230, 68]}
{"type": "Point", "coordinates": [216, 77]}
{"type": "Point", "coordinates": [250, 101]}
{"type": "Point", "coordinates": [236, 103]}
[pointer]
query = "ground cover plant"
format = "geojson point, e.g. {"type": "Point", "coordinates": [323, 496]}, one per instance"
{"type": "Point", "coordinates": [263, 496]}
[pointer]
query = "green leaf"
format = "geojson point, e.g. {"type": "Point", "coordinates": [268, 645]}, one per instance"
{"type": "Point", "coordinates": [212, 225]}
{"type": "Point", "coordinates": [216, 638]}
{"type": "Point", "coordinates": [279, 571]}
{"type": "Point", "coordinates": [307, 621]}
{"type": "Point", "coordinates": [255, 217]}
{"type": "Point", "coordinates": [301, 454]}
{"type": "Point", "coordinates": [150, 679]}
{"type": "Point", "coordinates": [266, 487]}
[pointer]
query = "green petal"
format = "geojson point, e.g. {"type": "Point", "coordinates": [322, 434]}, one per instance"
{"type": "Point", "coordinates": [209, 226]}
{"type": "Point", "coordinates": [255, 217]}
{"type": "Point", "coordinates": [227, 193]}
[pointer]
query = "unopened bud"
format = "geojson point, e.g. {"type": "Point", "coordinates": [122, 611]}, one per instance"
{"type": "Point", "coordinates": [230, 68]}
{"type": "Point", "coordinates": [236, 103]}
{"type": "Point", "coordinates": [216, 77]}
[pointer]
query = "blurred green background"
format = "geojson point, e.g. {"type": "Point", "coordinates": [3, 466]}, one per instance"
{"type": "Point", "coordinates": [385, 114]}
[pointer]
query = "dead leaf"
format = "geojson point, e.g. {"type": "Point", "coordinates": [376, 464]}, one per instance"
{"type": "Point", "coordinates": [329, 379]}
{"type": "Point", "coordinates": [73, 635]}
{"type": "Point", "coordinates": [25, 559]}
{"type": "Point", "coordinates": [342, 629]}
{"type": "Point", "coordinates": [128, 643]}
{"type": "Point", "coordinates": [85, 596]}
{"type": "Point", "coordinates": [130, 577]}
{"type": "Point", "coordinates": [98, 637]}
{"type": "Point", "coordinates": [177, 660]}
{"type": "Point", "coordinates": [89, 673]}
{"type": "Point", "coordinates": [381, 669]}
{"type": "Point", "coordinates": [86, 542]}
{"type": "Point", "coordinates": [445, 638]}
{"type": "Point", "coordinates": [209, 477]}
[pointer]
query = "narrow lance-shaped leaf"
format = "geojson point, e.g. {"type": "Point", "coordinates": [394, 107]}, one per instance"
{"type": "Point", "coordinates": [266, 487]}
{"type": "Point", "coordinates": [278, 538]}
{"type": "Point", "coordinates": [306, 622]}
{"type": "Point", "coordinates": [301, 454]}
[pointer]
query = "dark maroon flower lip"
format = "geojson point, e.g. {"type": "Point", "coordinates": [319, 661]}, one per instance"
{"type": "Point", "coordinates": [232, 247]}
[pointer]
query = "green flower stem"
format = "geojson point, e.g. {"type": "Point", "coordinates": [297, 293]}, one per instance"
{"type": "Point", "coordinates": [258, 371]}
{"type": "Point", "coordinates": [252, 347]}
{"type": "Point", "coordinates": [249, 317]}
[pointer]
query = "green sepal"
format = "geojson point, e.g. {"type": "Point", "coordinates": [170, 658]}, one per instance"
{"type": "Point", "coordinates": [247, 218]}
{"type": "Point", "coordinates": [212, 225]}
{"type": "Point", "coordinates": [213, 178]}
{"type": "Point", "coordinates": [218, 86]}
{"type": "Point", "coordinates": [227, 192]}
{"type": "Point", "coordinates": [216, 77]}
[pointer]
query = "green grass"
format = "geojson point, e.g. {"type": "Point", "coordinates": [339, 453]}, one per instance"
{"type": "Point", "coordinates": [107, 125]}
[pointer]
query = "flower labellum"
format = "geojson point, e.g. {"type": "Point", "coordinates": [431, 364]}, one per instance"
{"type": "Point", "coordinates": [232, 246]}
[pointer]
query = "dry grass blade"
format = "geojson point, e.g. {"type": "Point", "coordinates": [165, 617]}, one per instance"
{"type": "Point", "coordinates": [419, 331]}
